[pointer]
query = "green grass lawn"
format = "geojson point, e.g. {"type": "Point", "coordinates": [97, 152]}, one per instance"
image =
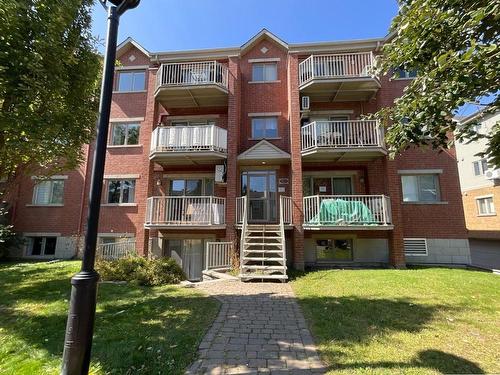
{"type": "Point", "coordinates": [420, 321]}
{"type": "Point", "coordinates": [138, 330]}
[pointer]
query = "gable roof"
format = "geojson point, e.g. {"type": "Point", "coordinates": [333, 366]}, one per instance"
{"type": "Point", "coordinates": [127, 44]}
{"type": "Point", "coordinates": [262, 34]}
{"type": "Point", "coordinates": [264, 150]}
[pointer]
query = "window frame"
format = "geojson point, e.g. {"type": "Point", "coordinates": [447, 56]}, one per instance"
{"type": "Point", "coordinates": [407, 73]}
{"type": "Point", "coordinates": [491, 211]}
{"type": "Point", "coordinates": [127, 125]}
{"type": "Point", "coordinates": [482, 167]}
{"type": "Point", "coordinates": [419, 189]}
{"type": "Point", "coordinates": [43, 246]}
{"type": "Point", "coordinates": [266, 129]}
{"type": "Point", "coordinates": [120, 202]}
{"type": "Point", "coordinates": [52, 182]}
{"type": "Point", "coordinates": [264, 66]}
{"type": "Point", "coordinates": [205, 181]}
{"type": "Point", "coordinates": [350, 240]}
{"type": "Point", "coordinates": [133, 72]}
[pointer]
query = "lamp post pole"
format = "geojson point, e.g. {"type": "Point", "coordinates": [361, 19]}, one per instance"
{"type": "Point", "coordinates": [80, 324]}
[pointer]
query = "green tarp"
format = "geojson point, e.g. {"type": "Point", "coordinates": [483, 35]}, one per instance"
{"type": "Point", "coordinates": [343, 212]}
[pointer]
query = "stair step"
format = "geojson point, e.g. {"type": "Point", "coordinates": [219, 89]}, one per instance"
{"type": "Point", "coordinates": [245, 267]}
{"type": "Point", "coordinates": [262, 244]}
{"type": "Point", "coordinates": [262, 237]}
{"type": "Point", "coordinates": [268, 259]}
{"type": "Point", "coordinates": [250, 276]}
{"type": "Point", "coordinates": [263, 251]}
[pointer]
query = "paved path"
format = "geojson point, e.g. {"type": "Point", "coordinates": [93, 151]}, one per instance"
{"type": "Point", "coordinates": [260, 329]}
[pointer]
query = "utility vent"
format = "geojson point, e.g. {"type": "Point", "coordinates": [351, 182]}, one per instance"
{"type": "Point", "coordinates": [415, 246]}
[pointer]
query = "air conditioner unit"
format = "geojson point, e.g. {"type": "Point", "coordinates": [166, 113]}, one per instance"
{"type": "Point", "coordinates": [305, 102]}
{"type": "Point", "coordinates": [493, 174]}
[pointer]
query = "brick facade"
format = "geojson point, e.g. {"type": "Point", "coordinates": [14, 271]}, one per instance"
{"type": "Point", "coordinates": [246, 98]}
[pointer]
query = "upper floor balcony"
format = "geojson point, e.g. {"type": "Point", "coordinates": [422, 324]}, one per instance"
{"type": "Point", "coordinates": [188, 144]}
{"type": "Point", "coordinates": [192, 84]}
{"type": "Point", "coordinates": [345, 140]}
{"type": "Point", "coordinates": [338, 77]}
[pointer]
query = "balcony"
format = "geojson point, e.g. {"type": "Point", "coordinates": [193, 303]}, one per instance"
{"type": "Point", "coordinates": [194, 84]}
{"type": "Point", "coordinates": [347, 212]}
{"type": "Point", "coordinates": [204, 212]}
{"type": "Point", "coordinates": [338, 77]}
{"type": "Point", "coordinates": [356, 140]}
{"type": "Point", "coordinates": [188, 144]}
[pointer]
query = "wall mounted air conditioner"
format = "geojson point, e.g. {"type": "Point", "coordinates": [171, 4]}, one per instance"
{"type": "Point", "coordinates": [493, 174]}
{"type": "Point", "coordinates": [305, 102]}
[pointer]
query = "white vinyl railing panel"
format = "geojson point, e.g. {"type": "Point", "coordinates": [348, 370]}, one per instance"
{"type": "Point", "coordinates": [192, 74]}
{"type": "Point", "coordinates": [218, 255]}
{"type": "Point", "coordinates": [189, 139]}
{"type": "Point", "coordinates": [342, 134]}
{"type": "Point", "coordinates": [345, 210]}
{"type": "Point", "coordinates": [240, 209]}
{"type": "Point", "coordinates": [186, 211]}
{"type": "Point", "coordinates": [344, 65]}
{"type": "Point", "coordinates": [115, 250]}
{"type": "Point", "coordinates": [286, 208]}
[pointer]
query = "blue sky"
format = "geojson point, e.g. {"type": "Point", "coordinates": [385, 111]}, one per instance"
{"type": "Point", "coordinates": [167, 25]}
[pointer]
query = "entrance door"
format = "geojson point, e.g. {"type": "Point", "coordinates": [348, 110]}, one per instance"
{"type": "Point", "coordinates": [260, 187]}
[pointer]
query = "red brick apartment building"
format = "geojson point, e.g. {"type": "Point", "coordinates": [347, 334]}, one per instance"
{"type": "Point", "coordinates": [267, 142]}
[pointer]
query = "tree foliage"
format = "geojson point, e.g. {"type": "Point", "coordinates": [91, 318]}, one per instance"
{"type": "Point", "coordinates": [48, 84]}
{"type": "Point", "coordinates": [454, 46]}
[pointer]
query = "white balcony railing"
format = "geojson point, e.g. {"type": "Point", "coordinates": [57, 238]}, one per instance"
{"type": "Point", "coordinates": [347, 210]}
{"type": "Point", "coordinates": [285, 205]}
{"type": "Point", "coordinates": [189, 139]}
{"type": "Point", "coordinates": [218, 255]}
{"type": "Point", "coordinates": [115, 250]}
{"type": "Point", "coordinates": [345, 65]}
{"type": "Point", "coordinates": [342, 134]}
{"type": "Point", "coordinates": [192, 74]}
{"type": "Point", "coordinates": [185, 211]}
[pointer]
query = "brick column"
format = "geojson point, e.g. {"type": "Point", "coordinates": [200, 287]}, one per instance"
{"type": "Point", "coordinates": [233, 124]}
{"type": "Point", "coordinates": [396, 246]}
{"type": "Point", "coordinates": [296, 162]}
{"type": "Point", "coordinates": [145, 184]}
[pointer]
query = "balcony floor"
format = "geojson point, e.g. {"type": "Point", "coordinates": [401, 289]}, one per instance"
{"type": "Point", "coordinates": [186, 226]}
{"type": "Point", "coordinates": [346, 227]}
{"type": "Point", "coordinates": [318, 154]}
{"type": "Point", "coordinates": [190, 96]}
{"type": "Point", "coordinates": [187, 157]}
{"type": "Point", "coordinates": [342, 89]}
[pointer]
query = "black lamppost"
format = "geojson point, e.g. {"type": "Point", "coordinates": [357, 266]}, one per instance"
{"type": "Point", "coordinates": [80, 326]}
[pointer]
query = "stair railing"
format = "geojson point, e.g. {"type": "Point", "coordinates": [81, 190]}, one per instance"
{"type": "Point", "coordinates": [243, 230]}
{"type": "Point", "coordinates": [283, 201]}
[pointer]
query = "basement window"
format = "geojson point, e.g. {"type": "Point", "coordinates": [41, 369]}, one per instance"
{"type": "Point", "coordinates": [40, 246]}
{"type": "Point", "coordinates": [336, 250]}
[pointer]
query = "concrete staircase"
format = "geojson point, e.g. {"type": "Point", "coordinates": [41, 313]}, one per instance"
{"type": "Point", "coordinates": [263, 254]}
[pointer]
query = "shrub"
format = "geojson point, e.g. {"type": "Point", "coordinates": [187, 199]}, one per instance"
{"type": "Point", "coordinates": [141, 271]}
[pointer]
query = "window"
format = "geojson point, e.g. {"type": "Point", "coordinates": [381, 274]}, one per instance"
{"type": "Point", "coordinates": [404, 73]}
{"type": "Point", "coordinates": [120, 191]}
{"type": "Point", "coordinates": [420, 188]}
{"type": "Point", "coordinates": [191, 187]}
{"type": "Point", "coordinates": [192, 122]}
{"type": "Point", "coordinates": [334, 250]}
{"type": "Point", "coordinates": [485, 206]}
{"type": "Point", "coordinates": [125, 134]}
{"type": "Point", "coordinates": [131, 81]}
{"type": "Point", "coordinates": [50, 192]}
{"type": "Point", "coordinates": [42, 245]}
{"type": "Point", "coordinates": [264, 72]}
{"type": "Point", "coordinates": [480, 167]}
{"type": "Point", "coordinates": [264, 127]}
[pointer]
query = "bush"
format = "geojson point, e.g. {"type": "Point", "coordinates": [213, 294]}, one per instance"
{"type": "Point", "coordinates": [140, 270]}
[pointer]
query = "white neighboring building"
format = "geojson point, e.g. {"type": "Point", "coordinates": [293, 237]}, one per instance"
{"type": "Point", "coordinates": [480, 185]}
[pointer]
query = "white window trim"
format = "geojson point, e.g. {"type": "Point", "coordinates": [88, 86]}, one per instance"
{"type": "Point", "coordinates": [419, 171]}
{"type": "Point", "coordinates": [55, 177]}
{"type": "Point", "coordinates": [122, 176]}
{"type": "Point", "coordinates": [29, 247]}
{"type": "Point", "coordinates": [52, 178]}
{"type": "Point", "coordinates": [256, 82]}
{"type": "Point", "coordinates": [253, 138]}
{"type": "Point", "coordinates": [132, 67]}
{"type": "Point", "coordinates": [477, 199]}
{"type": "Point", "coordinates": [117, 84]}
{"type": "Point", "coordinates": [264, 60]}
{"type": "Point", "coordinates": [192, 177]}
{"type": "Point", "coordinates": [438, 189]}
{"type": "Point", "coordinates": [265, 81]}
{"type": "Point", "coordinates": [123, 204]}
{"type": "Point", "coordinates": [264, 114]}
{"type": "Point", "coordinates": [127, 119]}
{"type": "Point", "coordinates": [112, 132]}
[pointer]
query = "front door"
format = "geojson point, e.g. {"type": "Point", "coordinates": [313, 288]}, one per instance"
{"type": "Point", "coordinates": [260, 187]}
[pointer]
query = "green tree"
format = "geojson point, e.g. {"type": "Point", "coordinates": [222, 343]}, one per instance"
{"type": "Point", "coordinates": [48, 84]}
{"type": "Point", "coordinates": [454, 46]}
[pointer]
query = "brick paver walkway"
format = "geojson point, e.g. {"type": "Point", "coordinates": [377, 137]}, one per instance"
{"type": "Point", "coordinates": [260, 329]}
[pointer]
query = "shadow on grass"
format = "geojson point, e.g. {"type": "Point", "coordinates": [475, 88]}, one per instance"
{"type": "Point", "coordinates": [151, 330]}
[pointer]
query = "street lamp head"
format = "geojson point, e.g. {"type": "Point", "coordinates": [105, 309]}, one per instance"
{"type": "Point", "coordinates": [121, 5]}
